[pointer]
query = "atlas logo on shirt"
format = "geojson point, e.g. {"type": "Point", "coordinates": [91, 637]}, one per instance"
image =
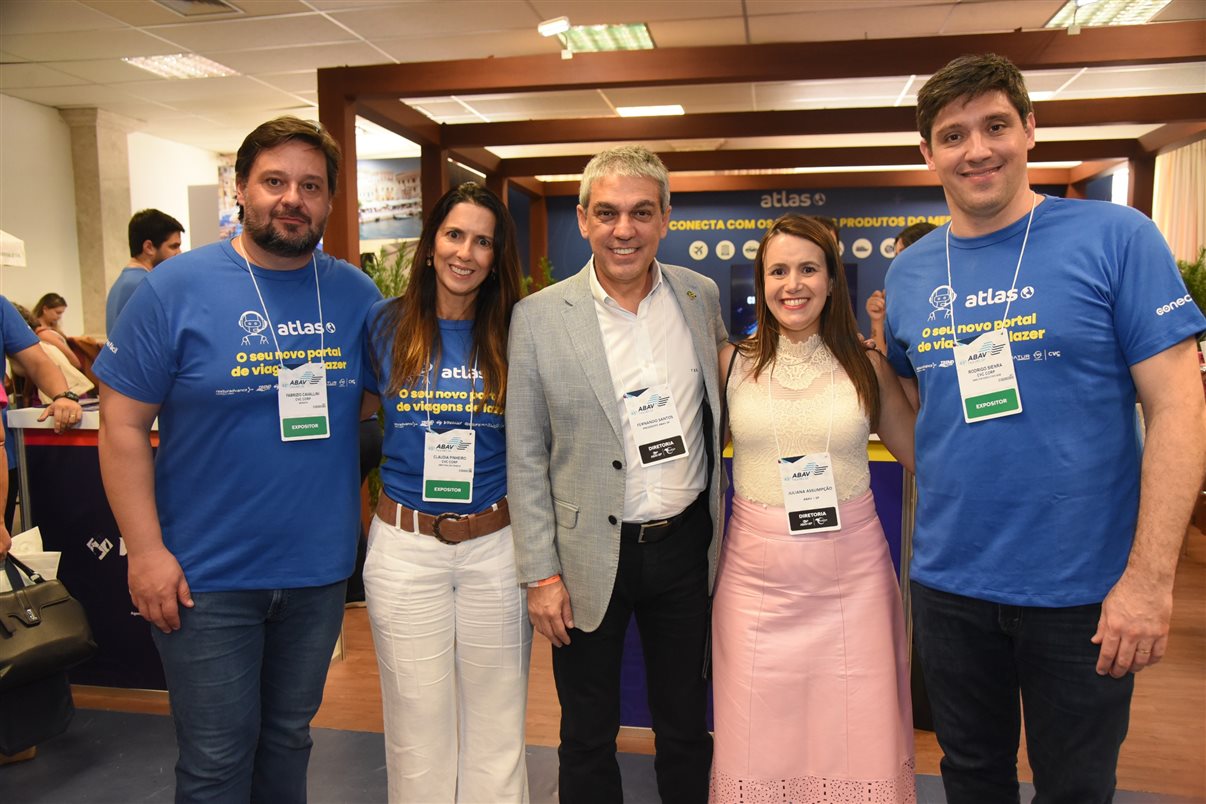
{"type": "Point", "coordinates": [299, 327]}
{"type": "Point", "coordinates": [991, 296]}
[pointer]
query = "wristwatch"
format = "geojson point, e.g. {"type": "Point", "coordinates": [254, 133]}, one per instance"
{"type": "Point", "coordinates": [72, 395]}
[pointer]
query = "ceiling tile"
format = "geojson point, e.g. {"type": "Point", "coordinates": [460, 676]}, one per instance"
{"type": "Point", "coordinates": [235, 89]}
{"type": "Point", "coordinates": [999, 15]}
{"type": "Point", "coordinates": [279, 59]}
{"type": "Point", "coordinates": [469, 46]}
{"type": "Point", "coordinates": [82, 95]}
{"type": "Point", "coordinates": [297, 81]}
{"type": "Point", "coordinates": [300, 31]}
{"type": "Point", "coordinates": [857, 22]}
{"type": "Point", "coordinates": [420, 20]}
{"type": "Point", "coordinates": [1150, 80]}
{"type": "Point", "coordinates": [146, 12]}
{"type": "Point", "coordinates": [22, 17]}
{"type": "Point", "coordinates": [590, 12]}
{"type": "Point", "coordinates": [34, 75]}
{"type": "Point", "coordinates": [105, 71]}
{"type": "Point", "coordinates": [113, 44]}
{"type": "Point", "coordinates": [699, 33]}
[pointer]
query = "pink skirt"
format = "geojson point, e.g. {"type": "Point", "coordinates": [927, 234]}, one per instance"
{"type": "Point", "coordinates": [811, 683]}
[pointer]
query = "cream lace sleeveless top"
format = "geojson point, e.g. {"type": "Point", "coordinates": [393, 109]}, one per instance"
{"type": "Point", "coordinates": [799, 406]}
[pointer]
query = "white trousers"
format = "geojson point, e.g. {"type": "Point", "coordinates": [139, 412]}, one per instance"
{"type": "Point", "coordinates": [453, 640]}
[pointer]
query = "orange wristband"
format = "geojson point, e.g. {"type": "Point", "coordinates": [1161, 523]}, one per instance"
{"type": "Point", "coordinates": [546, 582]}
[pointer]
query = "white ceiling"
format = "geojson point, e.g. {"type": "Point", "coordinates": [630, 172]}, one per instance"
{"type": "Point", "coordinates": [67, 53]}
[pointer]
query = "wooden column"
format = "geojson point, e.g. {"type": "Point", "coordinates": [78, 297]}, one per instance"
{"type": "Point", "coordinates": [337, 113]}
{"type": "Point", "coordinates": [433, 178]}
{"type": "Point", "coordinates": [1143, 183]}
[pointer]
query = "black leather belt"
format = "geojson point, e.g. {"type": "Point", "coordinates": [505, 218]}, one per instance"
{"type": "Point", "coordinates": [659, 529]}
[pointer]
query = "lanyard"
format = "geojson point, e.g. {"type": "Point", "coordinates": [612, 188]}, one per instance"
{"type": "Point", "coordinates": [322, 346]}
{"type": "Point", "coordinates": [1012, 288]}
{"type": "Point", "coordinates": [472, 390]}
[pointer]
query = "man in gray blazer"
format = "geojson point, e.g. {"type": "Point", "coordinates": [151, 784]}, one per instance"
{"type": "Point", "coordinates": [614, 481]}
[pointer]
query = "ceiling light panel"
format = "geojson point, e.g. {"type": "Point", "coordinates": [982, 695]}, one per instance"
{"type": "Point", "coordinates": [1106, 12]}
{"type": "Point", "coordinates": [181, 65]}
{"type": "Point", "coordinates": [605, 38]}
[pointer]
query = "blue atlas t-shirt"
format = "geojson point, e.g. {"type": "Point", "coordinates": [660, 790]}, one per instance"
{"type": "Point", "coordinates": [239, 508]}
{"type": "Point", "coordinates": [119, 295]}
{"type": "Point", "coordinates": [1038, 508]}
{"type": "Point", "coordinates": [445, 398]}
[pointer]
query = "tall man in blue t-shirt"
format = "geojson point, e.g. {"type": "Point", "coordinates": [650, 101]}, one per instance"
{"type": "Point", "coordinates": [1046, 539]}
{"type": "Point", "coordinates": [242, 531]}
{"type": "Point", "coordinates": [154, 237]}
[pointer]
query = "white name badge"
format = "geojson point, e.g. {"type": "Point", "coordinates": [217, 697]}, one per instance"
{"type": "Point", "coordinates": [810, 493]}
{"type": "Point", "coordinates": [448, 466]}
{"type": "Point", "coordinates": [301, 395]}
{"type": "Point", "coordinates": [988, 385]}
{"type": "Point", "coordinates": [655, 426]}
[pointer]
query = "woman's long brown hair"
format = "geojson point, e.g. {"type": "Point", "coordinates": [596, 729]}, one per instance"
{"type": "Point", "coordinates": [839, 329]}
{"type": "Point", "coordinates": [409, 325]}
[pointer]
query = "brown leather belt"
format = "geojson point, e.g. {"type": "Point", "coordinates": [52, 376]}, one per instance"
{"type": "Point", "coordinates": [447, 528]}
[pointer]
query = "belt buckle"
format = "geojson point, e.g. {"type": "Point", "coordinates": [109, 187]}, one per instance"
{"type": "Point", "coordinates": [435, 526]}
{"type": "Point", "coordinates": [650, 526]}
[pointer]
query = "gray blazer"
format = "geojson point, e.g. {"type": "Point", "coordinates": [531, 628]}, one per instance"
{"type": "Point", "coordinates": [563, 435]}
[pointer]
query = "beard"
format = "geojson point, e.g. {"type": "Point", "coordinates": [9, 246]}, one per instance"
{"type": "Point", "coordinates": [297, 243]}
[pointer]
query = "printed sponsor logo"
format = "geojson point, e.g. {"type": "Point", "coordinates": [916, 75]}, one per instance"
{"type": "Point", "coordinates": [1174, 304]}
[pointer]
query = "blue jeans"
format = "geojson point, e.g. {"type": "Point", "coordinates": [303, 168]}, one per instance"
{"type": "Point", "coordinates": [246, 673]}
{"type": "Point", "coordinates": [977, 657]}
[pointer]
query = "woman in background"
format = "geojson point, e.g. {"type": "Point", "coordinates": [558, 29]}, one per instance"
{"type": "Point", "coordinates": [449, 618]}
{"type": "Point", "coordinates": [811, 678]}
{"type": "Point", "coordinates": [47, 313]}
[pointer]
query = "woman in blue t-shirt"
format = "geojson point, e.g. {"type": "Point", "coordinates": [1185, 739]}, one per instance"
{"type": "Point", "coordinates": [449, 618]}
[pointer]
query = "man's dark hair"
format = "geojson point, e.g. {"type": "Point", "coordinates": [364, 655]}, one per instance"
{"type": "Point", "coordinates": [911, 234]}
{"type": "Point", "coordinates": [967, 78]}
{"type": "Point", "coordinates": [279, 131]}
{"type": "Point", "coordinates": [153, 225]}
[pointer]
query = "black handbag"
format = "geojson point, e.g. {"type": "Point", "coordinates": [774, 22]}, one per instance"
{"type": "Point", "coordinates": [43, 629]}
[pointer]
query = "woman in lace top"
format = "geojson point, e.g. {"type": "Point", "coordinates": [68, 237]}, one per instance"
{"type": "Point", "coordinates": [811, 672]}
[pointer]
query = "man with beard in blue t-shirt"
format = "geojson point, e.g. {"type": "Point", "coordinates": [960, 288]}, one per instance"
{"type": "Point", "coordinates": [1046, 539]}
{"type": "Point", "coordinates": [242, 531]}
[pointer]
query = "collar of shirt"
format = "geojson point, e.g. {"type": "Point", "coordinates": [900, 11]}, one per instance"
{"type": "Point", "coordinates": [600, 295]}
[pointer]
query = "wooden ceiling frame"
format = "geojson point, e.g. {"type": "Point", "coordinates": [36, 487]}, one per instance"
{"type": "Point", "coordinates": [373, 92]}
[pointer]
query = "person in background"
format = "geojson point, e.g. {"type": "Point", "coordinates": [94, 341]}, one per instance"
{"type": "Point", "coordinates": [876, 303]}
{"type": "Point", "coordinates": [47, 313]}
{"type": "Point", "coordinates": [154, 237]}
{"type": "Point", "coordinates": [811, 686]}
{"type": "Point", "coordinates": [18, 341]}
{"type": "Point", "coordinates": [614, 490]}
{"type": "Point", "coordinates": [242, 528]}
{"type": "Point", "coordinates": [448, 614]}
{"type": "Point", "coordinates": [1046, 538]}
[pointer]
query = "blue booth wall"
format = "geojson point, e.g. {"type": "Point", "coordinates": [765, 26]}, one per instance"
{"type": "Point", "coordinates": [712, 231]}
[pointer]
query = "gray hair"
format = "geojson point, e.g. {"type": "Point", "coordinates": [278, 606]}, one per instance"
{"type": "Point", "coordinates": [625, 160]}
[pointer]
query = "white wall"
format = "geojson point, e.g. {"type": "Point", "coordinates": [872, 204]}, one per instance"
{"type": "Point", "coordinates": [161, 172]}
{"type": "Point", "coordinates": [37, 204]}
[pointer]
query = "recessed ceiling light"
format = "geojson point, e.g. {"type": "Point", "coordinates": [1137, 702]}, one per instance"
{"type": "Point", "coordinates": [600, 38]}
{"type": "Point", "coordinates": [1106, 12]}
{"type": "Point", "coordinates": [649, 111]}
{"type": "Point", "coordinates": [181, 65]}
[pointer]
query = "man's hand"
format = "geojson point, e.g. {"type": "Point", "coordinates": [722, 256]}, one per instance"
{"type": "Point", "coordinates": [156, 584]}
{"type": "Point", "coordinates": [65, 412]}
{"type": "Point", "coordinates": [1133, 629]}
{"type": "Point", "coordinates": [550, 612]}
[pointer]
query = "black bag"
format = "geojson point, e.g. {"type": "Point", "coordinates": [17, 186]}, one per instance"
{"type": "Point", "coordinates": [34, 713]}
{"type": "Point", "coordinates": [43, 629]}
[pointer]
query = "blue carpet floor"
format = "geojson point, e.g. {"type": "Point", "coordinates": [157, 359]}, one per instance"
{"type": "Point", "coordinates": [120, 758]}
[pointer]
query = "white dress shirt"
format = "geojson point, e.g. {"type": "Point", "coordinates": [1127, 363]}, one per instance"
{"type": "Point", "coordinates": [651, 347]}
